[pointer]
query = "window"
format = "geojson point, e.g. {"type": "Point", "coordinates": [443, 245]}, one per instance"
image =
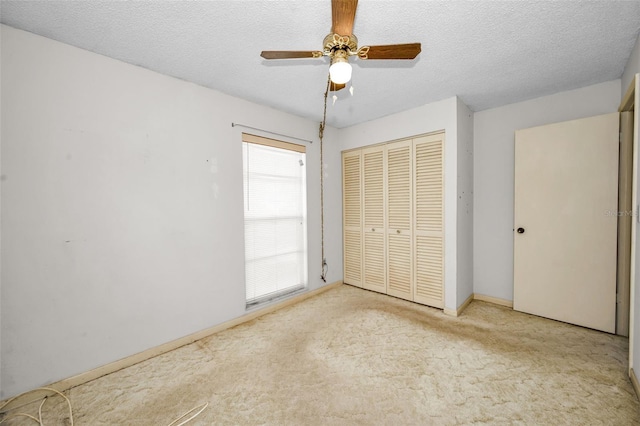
{"type": "Point", "coordinates": [275, 218]}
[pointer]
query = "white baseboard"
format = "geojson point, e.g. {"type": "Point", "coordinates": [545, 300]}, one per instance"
{"type": "Point", "coordinates": [494, 300]}
{"type": "Point", "coordinates": [481, 297]}
{"type": "Point", "coordinates": [461, 308]}
{"type": "Point", "coordinates": [634, 382]}
{"type": "Point", "coordinates": [87, 376]}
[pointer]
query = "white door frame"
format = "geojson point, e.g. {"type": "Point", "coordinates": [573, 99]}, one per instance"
{"type": "Point", "coordinates": [629, 103]}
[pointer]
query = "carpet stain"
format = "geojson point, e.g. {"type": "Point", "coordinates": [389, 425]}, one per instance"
{"type": "Point", "coordinates": [354, 357]}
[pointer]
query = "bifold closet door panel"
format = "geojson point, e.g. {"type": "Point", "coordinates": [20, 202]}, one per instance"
{"type": "Point", "coordinates": [429, 220]}
{"type": "Point", "coordinates": [399, 238]}
{"type": "Point", "coordinates": [374, 248]}
{"type": "Point", "coordinates": [352, 217]}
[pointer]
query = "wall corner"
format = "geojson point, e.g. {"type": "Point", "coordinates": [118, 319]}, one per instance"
{"type": "Point", "coordinates": [464, 201]}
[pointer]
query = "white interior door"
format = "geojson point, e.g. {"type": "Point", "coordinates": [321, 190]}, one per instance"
{"type": "Point", "coordinates": [565, 236]}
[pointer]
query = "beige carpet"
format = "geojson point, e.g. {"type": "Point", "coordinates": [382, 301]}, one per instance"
{"type": "Point", "coordinates": [350, 356]}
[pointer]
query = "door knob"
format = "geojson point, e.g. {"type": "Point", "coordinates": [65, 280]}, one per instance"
{"type": "Point", "coordinates": [398, 231]}
{"type": "Point", "coordinates": [520, 230]}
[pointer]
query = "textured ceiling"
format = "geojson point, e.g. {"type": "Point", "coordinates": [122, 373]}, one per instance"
{"type": "Point", "coordinates": [489, 53]}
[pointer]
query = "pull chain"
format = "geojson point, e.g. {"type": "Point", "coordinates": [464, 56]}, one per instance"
{"type": "Point", "coordinates": [325, 267]}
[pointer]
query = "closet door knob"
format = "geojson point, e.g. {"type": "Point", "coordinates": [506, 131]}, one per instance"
{"type": "Point", "coordinates": [398, 231]}
{"type": "Point", "coordinates": [373, 229]}
{"type": "Point", "coordinates": [520, 230]}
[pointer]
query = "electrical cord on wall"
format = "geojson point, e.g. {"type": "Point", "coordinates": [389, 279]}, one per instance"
{"type": "Point", "coordinates": [325, 267]}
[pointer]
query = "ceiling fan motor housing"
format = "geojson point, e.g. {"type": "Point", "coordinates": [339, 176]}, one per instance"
{"type": "Point", "coordinates": [334, 43]}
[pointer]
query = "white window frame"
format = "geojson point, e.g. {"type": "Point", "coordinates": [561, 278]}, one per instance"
{"type": "Point", "coordinates": [266, 277]}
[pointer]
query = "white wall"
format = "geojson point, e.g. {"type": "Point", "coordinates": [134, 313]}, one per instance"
{"type": "Point", "coordinates": [465, 203]}
{"type": "Point", "coordinates": [432, 117]}
{"type": "Point", "coordinates": [493, 174]}
{"type": "Point", "coordinates": [122, 210]}
{"type": "Point", "coordinates": [332, 209]}
{"type": "Point", "coordinates": [632, 67]}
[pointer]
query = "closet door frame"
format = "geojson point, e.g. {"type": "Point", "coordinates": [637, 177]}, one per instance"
{"type": "Point", "coordinates": [415, 234]}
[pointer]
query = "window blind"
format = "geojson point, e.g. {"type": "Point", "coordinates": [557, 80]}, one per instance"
{"type": "Point", "coordinates": [274, 217]}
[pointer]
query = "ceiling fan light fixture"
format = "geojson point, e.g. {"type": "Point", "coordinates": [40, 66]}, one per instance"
{"type": "Point", "coordinates": [340, 44]}
{"type": "Point", "coordinates": [340, 70]}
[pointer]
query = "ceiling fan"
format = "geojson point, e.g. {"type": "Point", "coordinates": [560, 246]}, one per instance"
{"type": "Point", "coordinates": [340, 44]}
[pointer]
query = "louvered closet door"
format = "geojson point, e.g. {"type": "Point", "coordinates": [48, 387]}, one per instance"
{"type": "Point", "coordinates": [428, 219]}
{"type": "Point", "coordinates": [352, 217]}
{"type": "Point", "coordinates": [399, 259]}
{"type": "Point", "coordinates": [374, 273]}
